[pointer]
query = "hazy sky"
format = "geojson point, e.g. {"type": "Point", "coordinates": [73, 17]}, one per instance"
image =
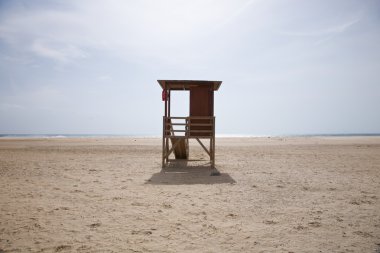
{"type": "Point", "coordinates": [288, 67]}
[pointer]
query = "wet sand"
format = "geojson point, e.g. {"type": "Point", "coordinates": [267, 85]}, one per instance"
{"type": "Point", "coordinates": [111, 195]}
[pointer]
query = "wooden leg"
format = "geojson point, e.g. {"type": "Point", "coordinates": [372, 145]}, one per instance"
{"type": "Point", "coordinates": [167, 151]}
{"type": "Point", "coordinates": [213, 152]}
{"type": "Point", "coordinates": [163, 144]}
{"type": "Point", "coordinates": [163, 152]}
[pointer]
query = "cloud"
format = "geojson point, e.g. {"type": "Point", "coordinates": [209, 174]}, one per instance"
{"type": "Point", "coordinates": [131, 30]}
{"type": "Point", "coordinates": [104, 78]}
{"type": "Point", "coordinates": [9, 107]}
{"type": "Point", "coordinates": [332, 30]}
{"type": "Point", "coordinates": [62, 53]}
{"type": "Point", "coordinates": [239, 11]}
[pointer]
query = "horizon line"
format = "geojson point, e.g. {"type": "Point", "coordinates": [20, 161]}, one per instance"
{"type": "Point", "coordinates": [49, 135]}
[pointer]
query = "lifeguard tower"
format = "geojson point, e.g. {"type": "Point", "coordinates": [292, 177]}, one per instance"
{"type": "Point", "coordinates": [200, 124]}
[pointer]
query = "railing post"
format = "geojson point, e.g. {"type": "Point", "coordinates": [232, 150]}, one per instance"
{"type": "Point", "coordinates": [163, 141]}
{"type": "Point", "coordinates": [166, 142]}
{"type": "Point", "coordinates": [187, 127]}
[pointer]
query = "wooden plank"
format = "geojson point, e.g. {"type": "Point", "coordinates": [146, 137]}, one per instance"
{"type": "Point", "coordinates": [176, 131]}
{"type": "Point", "coordinates": [192, 117]}
{"type": "Point", "coordinates": [177, 124]}
{"type": "Point", "coordinates": [200, 124]}
{"type": "Point", "coordinates": [188, 137]}
{"type": "Point", "coordinates": [187, 84]}
{"type": "Point", "coordinates": [190, 131]}
{"type": "Point", "coordinates": [200, 117]}
{"type": "Point", "coordinates": [213, 144]}
{"type": "Point", "coordinates": [171, 150]}
{"type": "Point", "coordinates": [163, 142]}
{"type": "Point", "coordinates": [178, 117]}
{"type": "Point", "coordinates": [177, 136]}
{"type": "Point", "coordinates": [203, 146]}
{"type": "Point", "coordinates": [169, 95]}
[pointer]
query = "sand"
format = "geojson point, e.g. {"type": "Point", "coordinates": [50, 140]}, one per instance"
{"type": "Point", "coordinates": [110, 195]}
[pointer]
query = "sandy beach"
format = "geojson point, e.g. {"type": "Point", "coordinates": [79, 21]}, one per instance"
{"type": "Point", "coordinates": [304, 194]}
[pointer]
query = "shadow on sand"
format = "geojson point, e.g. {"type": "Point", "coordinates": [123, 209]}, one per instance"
{"type": "Point", "coordinates": [182, 172]}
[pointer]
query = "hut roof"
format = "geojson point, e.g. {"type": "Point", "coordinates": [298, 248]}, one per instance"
{"type": "Point", "coordinates": [187, 84]}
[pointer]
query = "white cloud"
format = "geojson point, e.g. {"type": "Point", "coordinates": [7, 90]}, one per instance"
{"type": "Point", "coordinates": [62, 53]}
{"type": "Point", "coordinates": [239, 11]}
{"type": "Point", "coordinates": [327, 31]}
{"type": "Point", "coordinates": [130, 30]}
{"type": "Point", "coordinates": [9, 107]}
{"type": "Point", "coordinates": [104, 78]}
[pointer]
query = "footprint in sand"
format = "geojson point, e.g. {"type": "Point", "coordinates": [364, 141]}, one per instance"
{"type": "Point", "coordinates": [361, 201]}
{"type": "Point", "coordinates": [300, 227]}
{"type": "Point", "coordinates": [315, 224]}
{"type": "Point", "coordinates": [95, 225]}
{"type": "Point", "coordinates": [144, 232]}
{"type": "Point", "coordinates": [167, 206]}
{"type": "Point", "coordinates": [270, 222]}
{"type": "Point", "coordinates": [62, 247]}
{"type": "Point", "coordinates": [363, 234]}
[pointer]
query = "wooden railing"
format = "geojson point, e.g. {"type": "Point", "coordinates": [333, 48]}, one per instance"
{"type": "Point", "coordinates": [189, 127]}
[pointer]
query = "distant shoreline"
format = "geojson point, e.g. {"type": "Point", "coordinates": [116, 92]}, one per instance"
{"type": "Point", "coordinates": [54, 136]}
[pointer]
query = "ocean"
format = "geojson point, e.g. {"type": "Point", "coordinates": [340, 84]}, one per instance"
{"type": "Point", "coordinates": [158, 136]}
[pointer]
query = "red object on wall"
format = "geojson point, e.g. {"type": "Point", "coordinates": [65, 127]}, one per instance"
{"type": "Point", "coordinates": [164, 95]}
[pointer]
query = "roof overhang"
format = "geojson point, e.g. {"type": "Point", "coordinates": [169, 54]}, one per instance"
{"type": "Point", "coordinates": [187, 84]}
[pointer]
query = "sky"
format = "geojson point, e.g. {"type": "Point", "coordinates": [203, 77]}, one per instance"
{"type": "Point", "coordinates": [287, 66]}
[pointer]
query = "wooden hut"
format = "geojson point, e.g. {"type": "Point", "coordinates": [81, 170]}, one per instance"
{"type": "Point", "coordinates": [198, 125]}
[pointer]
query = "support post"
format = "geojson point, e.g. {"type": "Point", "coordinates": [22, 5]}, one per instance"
{"type": "Point", "coordinates": [166, 150]}
{"type": "Point", "coordinates": [213, 143]}
{"type": "Point", "coordinates": [169, 95]}
{"type": "Point", "coordinates": [163, 141]}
